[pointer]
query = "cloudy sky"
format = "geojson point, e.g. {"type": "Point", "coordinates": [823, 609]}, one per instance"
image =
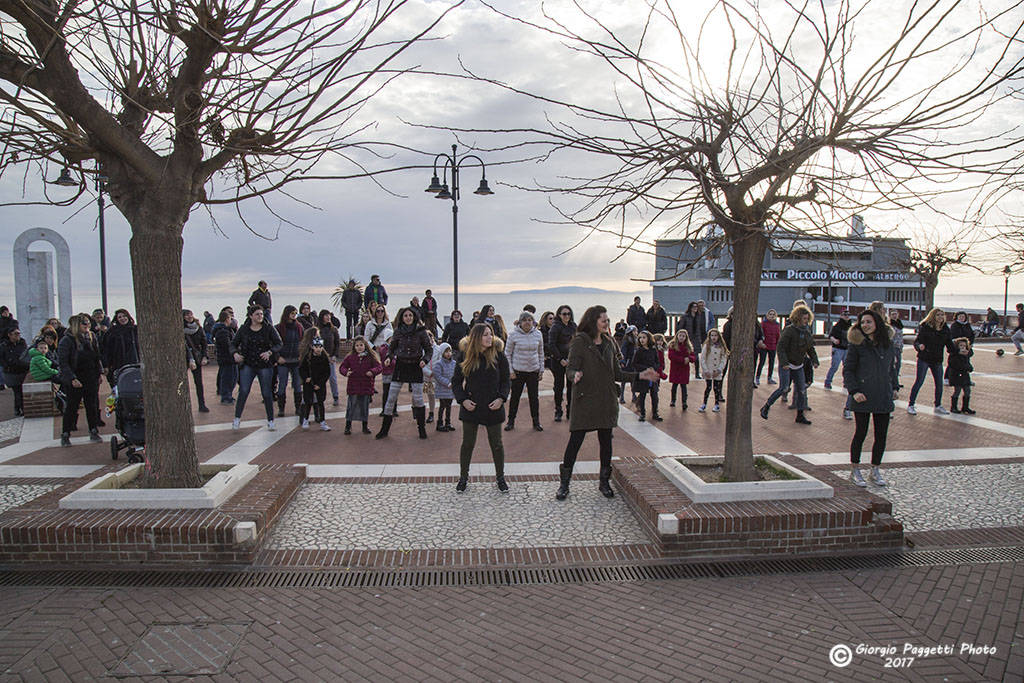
{"type": "Point", "coordinates": [402, 232]}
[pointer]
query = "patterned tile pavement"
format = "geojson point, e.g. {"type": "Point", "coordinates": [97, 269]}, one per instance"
{"type": "Point", "coordinates": [13, 495]}
{"type": "Point", "coordinates": [957, 497]}
{"type": "Point", "coordinates": [433, 516]}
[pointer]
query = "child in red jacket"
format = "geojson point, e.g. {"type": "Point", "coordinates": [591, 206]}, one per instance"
{"type": "Point", "coordinates": [681, 356]}
{"type": "Point", "coordinates": [360, 366]}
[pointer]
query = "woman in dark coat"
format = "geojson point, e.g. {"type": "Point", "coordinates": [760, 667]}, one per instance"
{"type": "Point", "coordinates": [227, 371]}
{"type": "Point", "coordinates": [594, 368]}
{"type": "Point", "coordinates": [931, 343]}
{"type": "Point", "coordinates": [796, 352]}
{"type": "Point", "coordinates": [455, 330]}
{"type": "Point", "coordinates": [870, 377]}
{"type": "Point", "coordinates": [80, 367]}
{"type": "Point", "coordinates": [12, 351]}
{"type": "Point", "coordinates": [410, 350]}
{"type": "Point", "coordinates": [195, 341]}
{"type": "Point", "coordinates": [121, 345]}
{"type": "Point", "coordinates": [481, 385]}
{"type": "Point", "coordinates": [255, 347]}
{"type": "Point", "coordinates": [559, 337]}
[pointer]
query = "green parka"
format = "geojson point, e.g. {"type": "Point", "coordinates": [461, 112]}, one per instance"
{"type": "Point", "coordinates": [595, 398]}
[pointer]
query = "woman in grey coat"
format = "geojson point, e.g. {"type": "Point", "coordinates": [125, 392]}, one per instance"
{"type": "Point", "coordinates": [525, 353]}
{"type": "Point", "coordinates": [869, 373]}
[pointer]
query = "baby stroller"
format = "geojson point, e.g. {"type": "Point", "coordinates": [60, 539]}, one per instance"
{"type": "Point", "coordinates": [130, 418]}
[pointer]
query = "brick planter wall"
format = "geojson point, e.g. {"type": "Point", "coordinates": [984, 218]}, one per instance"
{"type": "Point", "coordinates": [852, 521]}
{"type": "Point", "coordinates": [39, 399]}
{"type": "Point", "coordinates": [40, 532]}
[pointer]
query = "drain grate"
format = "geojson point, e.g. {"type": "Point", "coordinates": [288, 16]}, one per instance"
{"type": "Point", "coordinates": [513, 576]}
{"type": "Point", "coordinates": [182, 649]}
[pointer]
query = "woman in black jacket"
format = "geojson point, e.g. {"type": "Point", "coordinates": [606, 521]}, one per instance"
{"type": "Point", "coordinates": [932, 341]}
{"type": "Point", "coordinates": [481, 385]}
{"type": "Point", "coordinates": [870, 377]}
{"type": "Point", "coordinates": [13, 349]}
{"type": "Point", "coordinates": [409, 352]}
{"type": "Point", "coordinates": [455, 330]}
{"type": "Point", "coordinates": [559, 337]}
{"type": "Point", "coordinates": [80, 366]}
{"type": "Point", "coordinates": [121, 344]}
{"type": "Point", "coordinates": [195, 340]}
{"type": "Point", "coordinates": [255, 347]}
{"type": "Point", "coordinates": [227, 371]}
{"type": "Point", "coordinates": [646, 356]}
{"type": "Point", "coordinates": [290, 330]}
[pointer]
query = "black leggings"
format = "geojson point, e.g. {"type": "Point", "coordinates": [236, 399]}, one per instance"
{"type": "Point", "coordinates": [313, 398]}
{"type": "Point", "coordinates": [679, 386]}
{"type": "Point", "coordinates": [717, 385]}
{"type": "Point", "coordinates": [444, 415]}
{"type": "Point", "coordinates": [558, 371]}
{"type": "Point", "coordinates": [572, 449]}
{"type": "Point", "coordinates": [641, 397]}
{"type": "Point", "coordinates": [770, 355]}
{"type": "Point", "coordinates": [89, 394]}
{"type": "Point", "coordinates": [531, 380]}
{"type": "Point", "coordinates": [881, 430]}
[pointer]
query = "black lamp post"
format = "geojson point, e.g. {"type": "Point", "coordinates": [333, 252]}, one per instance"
{"type": "Point", "coordinates": [439, 188]}
{"type": "Point", "coordinates": [65, 180]}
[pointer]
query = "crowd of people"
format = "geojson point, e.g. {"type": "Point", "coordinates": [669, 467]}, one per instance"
{"type": "Point", "coordinates": [484, 365]}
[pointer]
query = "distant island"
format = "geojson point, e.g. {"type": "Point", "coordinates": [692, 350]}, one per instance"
{"type": "Point", "coordinates": [569, 290]}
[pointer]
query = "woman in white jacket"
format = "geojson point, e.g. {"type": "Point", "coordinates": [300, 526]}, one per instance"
{"type": "Point", "coordinates": [713, 358]}
{"type": "Point", "coordinates": [525, 353]}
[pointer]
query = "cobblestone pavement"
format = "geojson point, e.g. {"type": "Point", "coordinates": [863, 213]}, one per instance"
{"type": "Point", "coordinates": [762, 628]}
{"type": "Point", "coordinates": [11, 429]}
{"type": "Point", "coordinates": [430, 516]}
{"type": "Point", "coordinates": [13, 495]}
{"type": "Point", "coordinates": [957, 497]}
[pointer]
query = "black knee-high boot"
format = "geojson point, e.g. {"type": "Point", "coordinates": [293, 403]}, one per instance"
{"type": "Point", "coordinates": [385, 427]}
{"type": "Point", "coordinates": [420, 413]}
{"type": "Point", "coordinates": [298, 402]}
{"type": "Point", "coordinates": [564, 475]}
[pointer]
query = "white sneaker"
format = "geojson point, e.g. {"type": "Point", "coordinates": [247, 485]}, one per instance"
{"type": "Point", "coordinates": [305, 424]}
{"type": "Point", "coordinates": [703, 407]}
{"type": "Point", "coordinates": [324, 427]}
{"type": "Point", "coordinates": [876, 477]}
{"type": "Point", "coordinates": [941, 410]}
{"type": "Point", "coordinates": [236, 424]}
{"type": "Point", "coordinates": [715, 409]}
{"type": "Point", "coordinates": [911, 410]}
{"type": "Point", "coordinates": [270, 426]}
{"type": "Point", "coordinates": [857, 478]}
{"type": "Point", "coordinates": [847, 414]}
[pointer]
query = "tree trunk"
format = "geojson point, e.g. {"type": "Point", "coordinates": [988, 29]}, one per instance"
{"type": "Point", "coordinates": [748, 259]}
{"type": "Point", "coordinates": [929, 293]}
{"type": "Point", "coordinates": [156, 246]}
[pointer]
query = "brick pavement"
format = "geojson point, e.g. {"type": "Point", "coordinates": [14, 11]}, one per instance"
{"type": "Point", "coordinates": [760, 628]}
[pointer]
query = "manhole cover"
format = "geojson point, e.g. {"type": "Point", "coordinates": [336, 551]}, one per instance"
{"type": "Point", "coordinates": [182, 649]}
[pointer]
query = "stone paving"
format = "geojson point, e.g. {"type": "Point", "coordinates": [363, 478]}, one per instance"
{"type": "Point", "coordinates": [434, 516]}
{"type": "Point", "coordinates": [11, 429]}
{"type": "Point", "coordinates": [956, 497]}
{"type": "Point", "coordinates": [13, 495]}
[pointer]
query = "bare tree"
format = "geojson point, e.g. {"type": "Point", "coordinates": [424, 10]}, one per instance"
{"type": "Point", "coordinates": [758, 120]}
{"type": "Point", "coordinates": [188, 103]}
{"type": "Point", "coordinates": [932, 253]}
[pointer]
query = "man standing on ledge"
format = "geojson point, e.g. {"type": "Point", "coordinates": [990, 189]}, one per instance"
{"type": "Point", "coordinates": [375, 292]}
{"type": "Point", "coordinates": [636, 315]}
{"type": "Point", "coordinates": [261, 297]}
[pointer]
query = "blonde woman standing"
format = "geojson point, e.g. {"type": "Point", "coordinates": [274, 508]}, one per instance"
{"type": "Point", "coordinates": [481, 385]}
{"type": "Point", "coordinates": [931, 343]}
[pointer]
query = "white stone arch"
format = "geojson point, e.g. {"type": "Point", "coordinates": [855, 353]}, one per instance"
{"type": "Point", "coordinates": [33, 309]}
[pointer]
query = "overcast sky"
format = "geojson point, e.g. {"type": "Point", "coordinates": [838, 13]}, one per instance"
{"type": "Point", "coordinates": [357, 228]}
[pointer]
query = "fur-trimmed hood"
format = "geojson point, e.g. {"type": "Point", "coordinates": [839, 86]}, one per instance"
{"type": "Point", "coordinates": [464, 344]}
{"type": "Point", "coordinates": [855, 336]}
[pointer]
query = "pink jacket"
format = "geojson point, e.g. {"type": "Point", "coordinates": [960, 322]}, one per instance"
{"type": "Point", "coordinates": [358, 383]}
{"type": "Point", "coordinates": [771, 330]}
{"type": "Point", "coordinates": [681, 359]}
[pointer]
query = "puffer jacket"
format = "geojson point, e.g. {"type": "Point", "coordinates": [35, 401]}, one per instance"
{"type": "Point", "coordinates": [559, 338]}
{"type": "Point", "coordinates": [771, 330]}
{"type": "Point", "coordinates": [359, 383]}
{"type": "Point", "coordinates": [351, 299]}
{"type": "Point", "coordinates": [444, 372]}
{"type": "Point", "coordinates": [870, 369]}
{"type": "Point", "coordinates": [959, 369]}
{"type": "Point", "coordinates": [291, 337]}
{"type": "Point", "coordinates": [958, 329]}
{"type": "Point", "coordinates": [222, 335]}
{"type": "Point", "coordinates": [11, 356]}
{"type": "Point", "coordinates": [525, 350]}
{"type": "Point", "coordinates": [411, 344]}
{"type": "Point", "coordinates": [935, 342]}
{"type": "Point", "coordinates": [712, 361]}
{"type": "Point", "coordinates": [316, 368]}
{"type": "Point", "coordinates": [454, 332]}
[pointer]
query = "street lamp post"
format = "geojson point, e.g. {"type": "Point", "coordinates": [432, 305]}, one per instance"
{"type": "Point", "coordinates": [440, 190]}
{"type": "Point", "coordinates": [65, 180]}
{"type": "Point", "coordinates": [1006, 296]}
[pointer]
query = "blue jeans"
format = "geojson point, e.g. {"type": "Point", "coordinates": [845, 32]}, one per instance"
{"type": "Point", "coordinates": [283, 372]}
{"type": "Point", "coordinates": [923, 367]}
{"type": "Point", "coordinates": [799, 381]}
{"type": "Point", "coordinates": [227, 378]}
{"type": "Point", "coordinates": [838, 357]}
{"type": "Point", "coordinates": [246, 375]}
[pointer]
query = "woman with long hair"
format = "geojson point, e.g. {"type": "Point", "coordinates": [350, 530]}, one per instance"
{"type": "Point", "coordinates": [121, 344]}
{"type": "Point", "coordinates": [646, 356]}
{"type": "Point", "coordinates": [931, 343]}
{"type": "Point", "coordinates": [290, 330]}
{"type": "Point", "coordinates": [195, 340]}
{"type": "Point", "coordinates": [795, 350]}
{"type": "Point", "coordinates": [593, 367]}
{"type": "Point", "coordinates": [681, 357]}
{"type": "Point", "coordinates": [227, 371]}
{"type": "Point", "coordinates": [80, 367]}
{"type": "Point", "coordinates": [410, 350]}
{"type": "Point", "coordinates": [481, 385]}
{"type": "Point", "coordinates": [869, 375]}
{"type": "Point", "coordinates": [563, 329]}
{"type": "Point", "coordinates": [254, 348]}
